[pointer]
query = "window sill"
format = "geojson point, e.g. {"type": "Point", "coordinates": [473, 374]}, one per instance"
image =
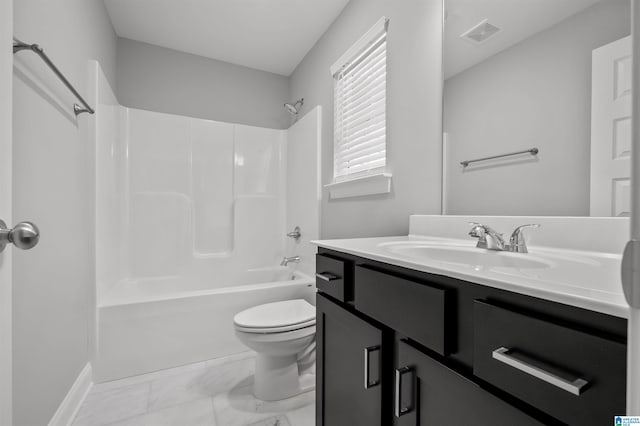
{"type": "Point", "coordinates": [366, 185]}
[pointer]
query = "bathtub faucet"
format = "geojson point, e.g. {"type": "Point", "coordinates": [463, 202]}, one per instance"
{"type": "Point", "coordinates": [288, 260]}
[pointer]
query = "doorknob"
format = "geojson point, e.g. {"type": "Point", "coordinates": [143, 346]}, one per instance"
{"type": "Point", "coordinates": [24, 235]}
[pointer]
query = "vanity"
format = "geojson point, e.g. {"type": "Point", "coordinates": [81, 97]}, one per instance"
{"type": "Point", "coordinates": [427, 329]}
{"type": "Point", "coordinates": [433, 328]}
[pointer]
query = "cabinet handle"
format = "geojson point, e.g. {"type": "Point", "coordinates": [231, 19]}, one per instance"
{"type": "Point", "coordinates": [575, 387]}
{"type": "Point", "coordinates": [326, 276]}
{"type": "Point", "coordinates": [400, 410]}
{"type": "Point", "coordinates": [368, 383]}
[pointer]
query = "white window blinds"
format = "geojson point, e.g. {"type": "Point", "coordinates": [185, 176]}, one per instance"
{"type": "Point", "coordinates": [360, 83]}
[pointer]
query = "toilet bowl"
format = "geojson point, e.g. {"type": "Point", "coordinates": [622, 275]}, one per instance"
{"type": "Point", "coordinates": [278, 332]}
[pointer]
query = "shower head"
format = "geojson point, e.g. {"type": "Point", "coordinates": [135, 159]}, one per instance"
{"type": "Point", "coordinates": [294, 108]}
{"type": "Point", "coordinates": [291, 109]}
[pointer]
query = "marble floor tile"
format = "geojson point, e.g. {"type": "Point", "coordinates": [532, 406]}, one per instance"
{"type": "Point", "coordinates": [231, 358]}
{"type": "Point", "coordinates": [108, 406]}
{"type": "Point", "coordinates": [193, 413]}
{"type": "Point", "coordinates": [148, 377]}
{"type": "Point", "coordinates": [176, 371]}
{"type": "Point", "coordinates": [207, 383]}
{"type": "Point", "coordinates": [215, 392]}
{"type": "Point", "coordinates": [239, 407]}
{"type": "Point", "coordinates": [273, 421]}
{"type": "Point", "coordinates": [305, 416]}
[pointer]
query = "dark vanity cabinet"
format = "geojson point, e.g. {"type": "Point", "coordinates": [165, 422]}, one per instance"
{"type": "Point", "coordinates": [351, 367]}
{"type": "Point", "coordinates": [429, 393]}
{"type": "Point", "coordinates": [403, 347]}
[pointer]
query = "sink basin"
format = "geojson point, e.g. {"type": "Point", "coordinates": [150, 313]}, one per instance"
{"type": "Point", "coordinates": [471, 257]}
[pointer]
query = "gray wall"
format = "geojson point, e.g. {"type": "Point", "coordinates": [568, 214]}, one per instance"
{"type": "Point", "coordinates": [158, 79]}
{"type": "Point", "coordinates": [414, 103]}
{"type": "Point", "coordinates": [537, 93]}
{"type": "Point", "coordinates": [53, 168]}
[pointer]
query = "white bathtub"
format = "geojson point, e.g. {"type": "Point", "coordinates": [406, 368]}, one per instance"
{"type": "Point", "coordinates": [152, 324]}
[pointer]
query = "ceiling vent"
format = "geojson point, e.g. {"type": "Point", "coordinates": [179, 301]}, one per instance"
{"type": "Point", "coordinates": [481, 32]}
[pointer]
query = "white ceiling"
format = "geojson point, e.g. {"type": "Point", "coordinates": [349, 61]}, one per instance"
{"type": "Point", "coordinates": [269, 35]}
{"type": "Point", "coordinates": [518, 19]}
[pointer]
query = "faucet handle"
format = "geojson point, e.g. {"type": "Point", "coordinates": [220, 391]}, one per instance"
{"type": "Point", "coordinates": [295, 234]}
{"type": "Point", "coordinates": [516, 242]}
{"type": "Point", "coordinates": [479, 231]}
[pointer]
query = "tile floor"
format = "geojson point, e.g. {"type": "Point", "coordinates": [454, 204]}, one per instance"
{"type": "Point", "coordinates": [211, 393]}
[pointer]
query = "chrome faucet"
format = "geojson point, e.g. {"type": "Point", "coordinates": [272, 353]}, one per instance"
{"type": "Point", "coordinates": [287, 260]}
{"type": "Point", "coordinates": [490, 239]}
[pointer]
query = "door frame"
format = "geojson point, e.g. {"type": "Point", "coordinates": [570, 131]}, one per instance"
{"type": "Point", "coordinates": [633, 336]}
{"type": "Point", "coordinates": [6, 106]}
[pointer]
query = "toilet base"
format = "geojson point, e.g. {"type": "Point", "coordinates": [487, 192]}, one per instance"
{"type": "Point", "coordinates": [277, 377]}
{"type": "Point", "coordinates": [277, 373]}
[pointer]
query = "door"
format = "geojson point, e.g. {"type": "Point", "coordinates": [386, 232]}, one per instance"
{"type": "Point", "coordinates": [428, 393]}
{"type": "Point", "coordinates": [350, 351]}
{"type": "Point", "coordinates": [6, 84]}
{"type": "Point", "coordinates": [611, 129]}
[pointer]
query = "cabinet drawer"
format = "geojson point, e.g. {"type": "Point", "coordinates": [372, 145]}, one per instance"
{"type": "Point", "coordinates": [573, 375]}
{"type": "Point", "coordinates": [428, 393]}
{"type": "Point", "coordinates": [332, 277]}
{"type": "Point", "coordinates": [416, 310]}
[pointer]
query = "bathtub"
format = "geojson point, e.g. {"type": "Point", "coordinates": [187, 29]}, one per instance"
{"type": "Point", "coordinates": [151, 324]}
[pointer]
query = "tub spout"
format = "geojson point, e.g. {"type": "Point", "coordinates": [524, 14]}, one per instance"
{"type": "Point", "coordinates": [288, 260]}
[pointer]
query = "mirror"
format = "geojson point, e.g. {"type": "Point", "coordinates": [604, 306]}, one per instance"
{"type": "Point", "coordinates": [545, 74]}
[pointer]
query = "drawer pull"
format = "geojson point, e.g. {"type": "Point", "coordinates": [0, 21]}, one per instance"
{"type": "Point", "coordinates": [575, 387]}
{"type": "Point", "coordinates": [368, 383]}
{"type": "Point", "coordinates": [399, 409]}
{"type": "Point", "coordinates": [326, 276]}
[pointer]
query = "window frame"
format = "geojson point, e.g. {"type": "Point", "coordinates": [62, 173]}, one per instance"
{"type": "Point", "coordinates": [376, 179]}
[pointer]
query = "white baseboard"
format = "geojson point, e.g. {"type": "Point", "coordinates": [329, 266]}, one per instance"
{"type": "Point", "coordinates": [71, 403]}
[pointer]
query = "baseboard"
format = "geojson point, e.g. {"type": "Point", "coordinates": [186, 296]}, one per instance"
{"type": "Point", "coordinates": [71, 403]}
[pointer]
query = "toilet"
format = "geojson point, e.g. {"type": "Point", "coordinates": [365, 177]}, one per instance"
{"type": "Point", "coordinates": [278, 332]}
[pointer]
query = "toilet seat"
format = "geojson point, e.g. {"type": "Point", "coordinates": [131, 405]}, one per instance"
{"type": "Point", "coordinates": [274, 337]}
{"type": "Point", "coordinates": [272, 330]}
{"type": "Point", "coordinates": [276, 317]}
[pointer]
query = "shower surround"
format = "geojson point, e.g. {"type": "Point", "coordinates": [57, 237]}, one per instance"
{"type": "Point", "coordinates": [191, 217]}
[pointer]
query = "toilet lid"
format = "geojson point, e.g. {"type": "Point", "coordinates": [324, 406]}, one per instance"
{"type": "Point", "coordinates": [278, 314]}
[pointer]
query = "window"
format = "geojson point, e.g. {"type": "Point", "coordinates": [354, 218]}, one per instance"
{"type": "Point", "coordinates": [360, 83]}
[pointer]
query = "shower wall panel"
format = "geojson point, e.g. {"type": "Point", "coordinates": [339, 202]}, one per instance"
{"type": "Point", "coordinates": [212, 157]}
{"type": "Point", "coordinates": [159, 234]}
{"type": "Point", "coordinates": [203, 196]}
{"type": "Point", "coordinates": [159, 159]}
{"type": "Point", "coordinates": [304, 187]}
{"type": "Point", "coordinates": [109, 143]}
{"type": "Point", "coordinates": [257, 162]}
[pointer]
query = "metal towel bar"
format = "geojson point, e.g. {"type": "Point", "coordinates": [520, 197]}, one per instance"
{"type": "Point", "coordinates": [77, 109]}
{"type": "Point", "coordinates": [532, 151]}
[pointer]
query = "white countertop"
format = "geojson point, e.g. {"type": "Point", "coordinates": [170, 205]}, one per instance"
{"type": "Point", "coordinates": [585, 279]}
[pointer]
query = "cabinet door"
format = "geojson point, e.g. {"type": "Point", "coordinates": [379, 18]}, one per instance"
{"type": "Point", "coordinates": [428, 393]}
{"type": "Point", "coordinates": [349, 381]}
